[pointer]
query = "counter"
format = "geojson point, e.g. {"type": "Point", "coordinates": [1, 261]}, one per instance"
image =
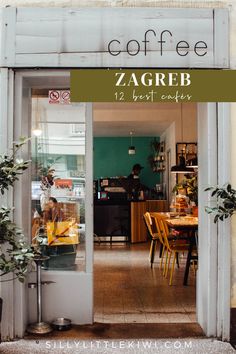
{"type": "Point", "coordinates": [113, 218]}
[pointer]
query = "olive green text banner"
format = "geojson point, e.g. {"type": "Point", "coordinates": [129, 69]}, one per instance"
{"type": "Point", "coordinates": [140, 85]}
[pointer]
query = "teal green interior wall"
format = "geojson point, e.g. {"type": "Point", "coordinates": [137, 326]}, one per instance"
{"type": "Point", "coordinates": [111, 158]}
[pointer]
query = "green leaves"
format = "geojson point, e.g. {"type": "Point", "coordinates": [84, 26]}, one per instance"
{"type": "Point", "coordinates": [225, 202]}
{"type": "Point", "coordinates": [190, 184]}
{"type": "Point", "coordinates": [42, 168]}
{"type": "Point", "coordinates": [16, 255]}
{"type": "Point", "coordinates": [11, 167]}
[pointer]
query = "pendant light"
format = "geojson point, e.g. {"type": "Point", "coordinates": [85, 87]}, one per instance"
{"type": "Point", "coordinates": [131, 150]}
{"type": "Point", "coordinates": [181, 166]}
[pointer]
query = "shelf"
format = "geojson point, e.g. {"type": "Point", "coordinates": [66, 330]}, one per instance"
{"type": "Point", "coordinates": [189, 151]}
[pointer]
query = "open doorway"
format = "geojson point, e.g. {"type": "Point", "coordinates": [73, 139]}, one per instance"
{"type": "Point", "coordinates": [128, 289]}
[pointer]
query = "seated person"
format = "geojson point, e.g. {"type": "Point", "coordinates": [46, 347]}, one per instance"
{"type": "Point", "coordinates": [53, 213]}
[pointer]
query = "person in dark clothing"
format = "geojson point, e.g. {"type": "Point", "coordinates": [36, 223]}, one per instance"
{"type": "Point", "coordinates": [137, 168]}
{"type": "Point", "coordinates": [135, 187]}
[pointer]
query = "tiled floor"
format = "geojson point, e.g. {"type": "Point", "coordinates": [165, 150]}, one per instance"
{"type": "Point", "coordinates": [127, 290]}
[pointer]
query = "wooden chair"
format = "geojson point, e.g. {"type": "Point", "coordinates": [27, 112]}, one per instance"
{"type": "Point", "coordinates": [161, 239]}
{"type": "Point", "coordinates": [153, 235]}
{"type": "Point", "coordinates": [172, 246]}
{"type": "Point", "coordinates": [171, 236]}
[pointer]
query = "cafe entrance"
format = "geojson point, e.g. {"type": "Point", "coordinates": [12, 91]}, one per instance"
{"type": "Point", "coordinates": [134, 184]}
{"type": "Point", "coordinates": [44, 59]}
{"type": "Point", "coordinates": [213, 274]}
{"type": "Point", "coordinates": [129, 278]}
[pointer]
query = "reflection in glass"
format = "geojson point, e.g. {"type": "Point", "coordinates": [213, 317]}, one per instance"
{"type": "Point", "coordinates": [58, 183]}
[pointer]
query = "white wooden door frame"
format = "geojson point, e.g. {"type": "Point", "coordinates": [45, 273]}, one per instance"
{"type": "Point", "coordinates": [213, 279]}
{"type": "Point", "coordinates": [224, 229]}
{"type": "Point", "coordinates": [7, 291]}
{"type": "Point", "coordinates": [213, 276]}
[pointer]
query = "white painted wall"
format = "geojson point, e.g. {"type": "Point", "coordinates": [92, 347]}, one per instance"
{"type": "Point", "coordinates": [189, 133]}
{"type": "Point", "coordinates": [174, 133]}
{"type": "Point", "coordinates": [169, 137]}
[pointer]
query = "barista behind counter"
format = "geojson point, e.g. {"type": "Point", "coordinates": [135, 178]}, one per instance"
{"type": "Point", "coordinates": [123, 188]}
{"type": "Point", "coordinates": [119, 209]}
{"type": "Point", "coordinates": [137, 168]}
{"type": "Point", "coordinates": [134, 186]}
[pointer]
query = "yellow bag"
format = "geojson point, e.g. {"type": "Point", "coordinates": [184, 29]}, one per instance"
{"type": "Point", "coordinates": [62, 233]}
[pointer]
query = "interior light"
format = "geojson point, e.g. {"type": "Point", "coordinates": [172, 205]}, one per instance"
{"type": "Point", "coordinates": [131, 150]}
{"type": "Point", "coordinates": [37, 132]}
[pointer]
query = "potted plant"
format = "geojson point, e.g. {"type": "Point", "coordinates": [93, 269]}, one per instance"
{"type": "Point", "coordinates": [225, 203]}
{"type": "Point", "coordinates": [16, 254]}
{"type": "Point", "coordinates": [190, 185]}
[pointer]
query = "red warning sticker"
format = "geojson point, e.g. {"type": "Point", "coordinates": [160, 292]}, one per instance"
{"type": "Point", "coordinates": [54, 96]}
{"type": "Point", "coordinates": [65, 97]}
{"type": "Point", "coordinates": [59, 96]}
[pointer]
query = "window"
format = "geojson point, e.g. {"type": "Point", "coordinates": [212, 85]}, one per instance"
{"type": "Point", "coordinates": [58, 183]}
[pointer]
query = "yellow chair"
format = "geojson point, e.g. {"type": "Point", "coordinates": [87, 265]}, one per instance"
{"type": "Point", "coordinates": [153, 235]}
{"type": "Point", "coordinates": [160, 237]}
{"type": "Point", "coordinates": [171, 237]}
{"type": "Point", "coordinates": [172, 247]}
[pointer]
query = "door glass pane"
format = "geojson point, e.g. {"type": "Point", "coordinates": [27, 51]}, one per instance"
{"type": "Point", "coordinates": [58, 183]}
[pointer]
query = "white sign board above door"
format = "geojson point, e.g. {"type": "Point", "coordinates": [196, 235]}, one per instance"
{"type": "Point", "coordinates": [114, 37]}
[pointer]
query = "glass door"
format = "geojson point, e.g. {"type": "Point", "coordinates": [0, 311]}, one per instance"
{"type": "Point", "coordinates": [54, 199]}
{"type": "Point", "coordinates": [58, 182]}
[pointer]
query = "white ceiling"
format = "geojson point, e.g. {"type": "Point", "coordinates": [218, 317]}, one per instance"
{"type": "Point", "coordinates": [143, 119]}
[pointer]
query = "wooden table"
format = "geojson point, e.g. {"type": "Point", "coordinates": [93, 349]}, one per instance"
{"type": "Point", "coordinates": [188, 224]}
{"type": "Point", "coordinates": [183, 221]}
